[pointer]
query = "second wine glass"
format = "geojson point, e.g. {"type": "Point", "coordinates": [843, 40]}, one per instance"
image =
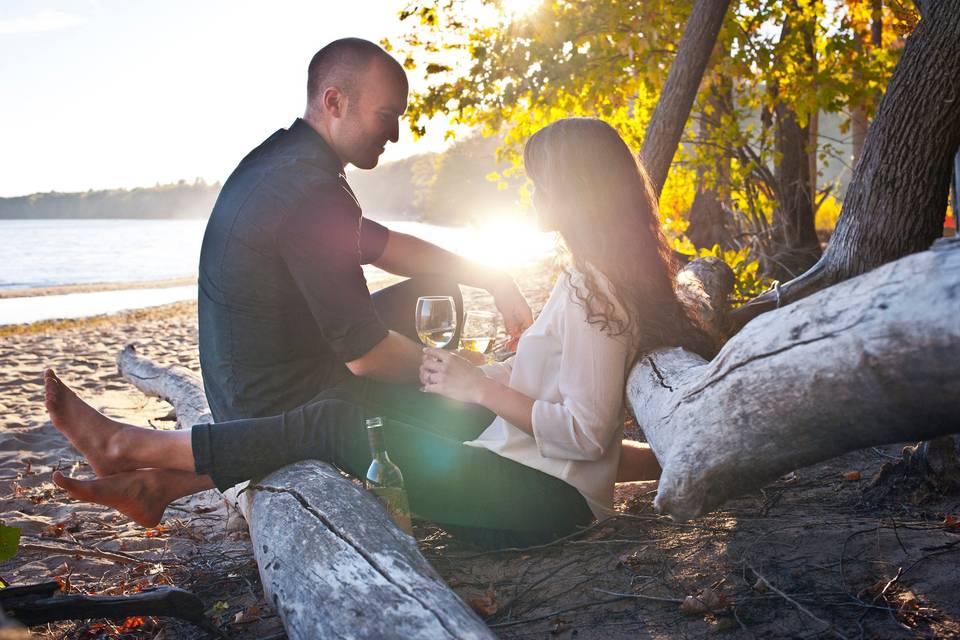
{"type": "Point", "coordinates": [479, 331]}
{"type": "Point", "coordinates": [436, 320]}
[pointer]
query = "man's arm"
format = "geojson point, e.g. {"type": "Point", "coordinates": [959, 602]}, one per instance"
{"type": "Point", "coordinates": [406, 255]}
{"type": "Point", "coordinates": [394, 359]}
{"type": "Point", "coordinates": [409, 256]}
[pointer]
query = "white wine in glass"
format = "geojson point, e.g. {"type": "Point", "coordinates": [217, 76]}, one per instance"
{"type": "Point", "coordinates": [436, 320]}
{"type": "Point", "coordinates": [479, 331]}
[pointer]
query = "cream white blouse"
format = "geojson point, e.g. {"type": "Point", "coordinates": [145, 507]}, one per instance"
{"type": "Point", "coordinates": [576, 374]}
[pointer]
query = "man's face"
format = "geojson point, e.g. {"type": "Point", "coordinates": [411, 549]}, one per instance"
{"type": "Point", "coordinates": [372, 116]}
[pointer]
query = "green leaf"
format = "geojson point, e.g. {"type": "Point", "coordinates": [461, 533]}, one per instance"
{"type": "Point", "coordinates": [9, 542]}
{"type": "Point", "coordinates": [217, 609]}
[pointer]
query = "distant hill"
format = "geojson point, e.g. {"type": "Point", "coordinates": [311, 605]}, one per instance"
{"type": "Point", "coordinates": [449, 188]}
{"type": "Point", "coordinates": [180, 200]}
{"type": "Point", "coordinates": [442, 188]}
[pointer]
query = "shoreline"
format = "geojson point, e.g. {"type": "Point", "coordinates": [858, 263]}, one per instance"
{"type": "Point", "coordinates": [375, 282]}
{"type": "Point", "coordinates": [154, 312]}
{"type": "Point", "coordinates": [157, 312]}
{"type": "Point", "coordinates": [95, 287]}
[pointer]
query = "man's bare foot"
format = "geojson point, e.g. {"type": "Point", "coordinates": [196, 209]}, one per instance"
{"type": "Point", "coordinates": [140, 495]}
{"type": "Point", "coordinates": [92, 433]}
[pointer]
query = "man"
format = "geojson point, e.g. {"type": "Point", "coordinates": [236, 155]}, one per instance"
{"type": "Point", "coordinates": [284, 310]}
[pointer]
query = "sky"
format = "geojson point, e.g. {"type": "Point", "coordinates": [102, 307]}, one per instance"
{"type": "Point", "coordinates": [98, 94]}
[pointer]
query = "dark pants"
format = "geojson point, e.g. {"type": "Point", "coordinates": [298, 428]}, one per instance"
{"type": "Point", "coordinates": [497, 500]}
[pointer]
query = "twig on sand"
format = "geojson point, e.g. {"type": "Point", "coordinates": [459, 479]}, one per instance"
{"type": "Point", "coordinates": [508, 606]}
{"type": "Point", "coordinates": [575, 534]}
{"type": "Point", "coordinates": [886, 587]}
{"type": "Point", "coordinates": [641, 596]}
{"type": "Point", "coordinates": [800, 607]}
{"type": "Point", "coordinates": [661, 520]}
{"type": "Point", "coordinates": [733, 611]}
{"type": "Point", "coordinates": [552, 614]}
{"type": "Point", "coordinates": [81, 551]}
{"type": "Point", "coordinates": [620, 541]}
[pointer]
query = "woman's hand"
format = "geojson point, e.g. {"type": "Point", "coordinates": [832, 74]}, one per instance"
{"type": "Point", "coordinates": [451, 376]}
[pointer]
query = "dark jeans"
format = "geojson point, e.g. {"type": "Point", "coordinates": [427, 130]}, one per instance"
{"type": "Point", "coordinates": [499, 501]}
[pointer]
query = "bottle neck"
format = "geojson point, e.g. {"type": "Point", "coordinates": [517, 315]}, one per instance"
{"type": "Point", "coordinates": [375, 437]}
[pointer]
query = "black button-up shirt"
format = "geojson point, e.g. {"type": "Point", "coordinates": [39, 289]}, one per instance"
{"type": "Point", "coordinates": [283, 302]}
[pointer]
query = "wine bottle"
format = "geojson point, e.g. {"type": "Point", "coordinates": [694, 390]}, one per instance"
{"type": "Point", "coordinates": [384, 479]}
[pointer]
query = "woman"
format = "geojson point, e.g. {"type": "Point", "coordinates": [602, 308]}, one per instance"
{"type": "Point", "coordinates": [531, 446]}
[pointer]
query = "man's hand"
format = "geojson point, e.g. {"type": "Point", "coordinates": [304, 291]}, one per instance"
{"type": "Point", "coordinates": [394, 359]}
{"type": "Point", "coordinates": [406, 255]}
{"type": "Point", "coordinates": [516, 313]}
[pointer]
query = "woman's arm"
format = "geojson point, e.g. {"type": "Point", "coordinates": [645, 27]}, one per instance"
{"type": "Point", "coordinates": [513, 406]}
{"type": "Point", "coordinates": [590, 380]}
{"type": "Point", "coordinates": [450, 375]}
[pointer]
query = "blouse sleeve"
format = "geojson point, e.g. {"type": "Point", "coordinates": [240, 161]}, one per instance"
{"type": "Point", "coordinates": [499, 371]}
{"type": "Point", "coordinates": [591, 382]}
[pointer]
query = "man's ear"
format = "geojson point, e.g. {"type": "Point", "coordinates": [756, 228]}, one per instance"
{"type": "Point", "coordinates": [334, 102]}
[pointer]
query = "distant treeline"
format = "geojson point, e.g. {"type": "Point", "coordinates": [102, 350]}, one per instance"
{"type": "Point", "coordinates": [449, 188]}
{"type": "Point", "coordinates": [179, 200]}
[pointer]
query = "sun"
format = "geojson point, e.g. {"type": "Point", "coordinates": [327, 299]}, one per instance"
{"type": "Point", "coordinates": [508, 241]}
{"type": "Point", "coordinates": [519, 8]}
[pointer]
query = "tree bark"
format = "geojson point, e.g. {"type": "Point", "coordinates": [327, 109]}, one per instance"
{"type": "Point", "coordinates": [332, 561]}
{"type": "Point", "coordinates": [812, 160]}
{"type": "Point", "coordinates": [710, 222]}
{"type": "Point", "coordinates": [956, 192]}
{"type": "Point", "coordinates": [871, 361]}
{"type": "Point", "coordinates": [813, 125]}
{"type": "Point", "coordinates": [704, 287]}
{"type": "Point", "coordinates": [858, 114]}
{"type": "Point", "coordinates": [797, 247]}
{"type": "Point", "coordinates": [680, 90]}
{"type": "Point", "coordinates": [896, 201]}
{"type": "Point", "coordinates": [793, 218]}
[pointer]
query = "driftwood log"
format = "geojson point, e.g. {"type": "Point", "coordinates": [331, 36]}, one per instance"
{"type": "Point", "coordinates": [870, 361]}
{"type": "Point", "coordinates": [38, 604]}
{"type": "Point", "coordinates": [331, 559]}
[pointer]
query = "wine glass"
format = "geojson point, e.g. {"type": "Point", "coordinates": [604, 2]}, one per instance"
{"type": "Point", "coordinates": [436, 320]}
{"type": "Point", "coordinates": [479, 331]}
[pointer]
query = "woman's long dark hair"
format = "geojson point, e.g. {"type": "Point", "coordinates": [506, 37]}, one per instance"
{"type": "Point", "coordinates": [599, 198]}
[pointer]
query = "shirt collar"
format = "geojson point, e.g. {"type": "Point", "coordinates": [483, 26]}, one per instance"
{"type": "Point", "coordinates": [306, 139]}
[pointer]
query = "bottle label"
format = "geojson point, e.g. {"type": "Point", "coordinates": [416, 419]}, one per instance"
{"type": "Point", "coordinates": [394, 499]}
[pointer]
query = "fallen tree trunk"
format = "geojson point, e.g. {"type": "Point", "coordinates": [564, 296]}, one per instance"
{"type": "Point", "coordinates": [870, 361]}
{"type": "Point", "coordinates": [332, 561]}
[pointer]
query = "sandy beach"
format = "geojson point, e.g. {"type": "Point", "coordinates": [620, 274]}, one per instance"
{"type": "Point", "coordinates": [93, 549]}
{"type": "Point", "coordinates": [813, 533]}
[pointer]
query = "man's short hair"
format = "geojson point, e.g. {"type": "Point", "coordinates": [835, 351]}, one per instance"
{"type": "Point", "coordinates": [341, 62]}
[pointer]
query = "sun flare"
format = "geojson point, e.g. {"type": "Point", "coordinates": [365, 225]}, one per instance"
{"type": "Point", "coordinates": [509, 241]}
{"type": "Point", "coordinates": [517, 8]}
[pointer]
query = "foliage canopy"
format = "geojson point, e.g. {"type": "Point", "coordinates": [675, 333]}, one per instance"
{"type": "Point", "coordinates": [512, 73]}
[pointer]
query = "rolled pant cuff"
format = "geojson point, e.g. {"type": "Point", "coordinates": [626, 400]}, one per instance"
{"type": "Point", "coordinates": [201, 442]}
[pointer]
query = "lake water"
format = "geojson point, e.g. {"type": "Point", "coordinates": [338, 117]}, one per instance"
{"type": "Point", "coordinates": [44, 253]}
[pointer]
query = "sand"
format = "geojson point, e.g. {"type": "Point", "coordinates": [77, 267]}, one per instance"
{"type": "Point", "coordinates": [61, 538]}
{"type": "Point", "coordinates": [812, 535]}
